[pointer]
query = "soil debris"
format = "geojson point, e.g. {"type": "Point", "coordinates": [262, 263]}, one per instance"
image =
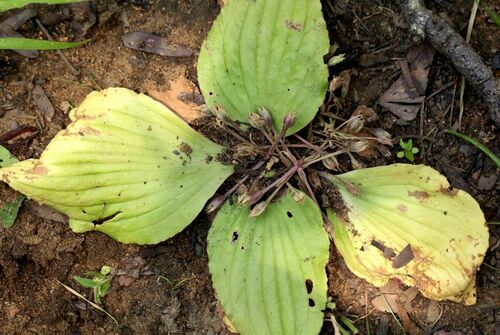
{"type": "Point", "coordinates": [180, 95]}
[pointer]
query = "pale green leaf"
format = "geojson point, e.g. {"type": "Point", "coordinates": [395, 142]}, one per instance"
{"type": "Point", "coordinates": [10, 209]}
{"type": "Point", "coordinates": [85, 282]}
{"type": "Point", "coordinates": [6, 158]}
{"type": "Point", "coordinates": [262, 53]}
{"type": "Point", "coordinates": [11, 4]}
{"type": "Point", "coordinates": [105, 270]}
{"type": "Point", "coordinates": [401, 206]}
{"type": "Point", "coordinates": [126, 166]}
{"type": "Point", "coordinates": [409, 156]}
{"type": "Point", "coordinates": [12, 43]}
{"type": "Point", "coordinates": [260, 266]}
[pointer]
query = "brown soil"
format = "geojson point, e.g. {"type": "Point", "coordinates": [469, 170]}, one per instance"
{"type": "Point", "coordinates": [36, 255]}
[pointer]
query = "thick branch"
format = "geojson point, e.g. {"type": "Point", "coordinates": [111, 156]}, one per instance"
{"type": "Point", "coordinates": [426, 25]}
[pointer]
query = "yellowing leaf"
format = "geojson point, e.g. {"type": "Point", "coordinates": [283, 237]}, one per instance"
{"type": "Point", "coordinates": [269, 271]}
{"type": "Point", "coordinates": [404, 221]}
{"type": "Point", "coordinates": [126, 166]}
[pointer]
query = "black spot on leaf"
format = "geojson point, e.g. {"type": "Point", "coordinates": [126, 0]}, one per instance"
{"type": "Point", "coordinates": [235, 236]}
{"type": "Point", "coordinates": [309, 286]}
{"type": "Point", "coordinates": [104, 219]}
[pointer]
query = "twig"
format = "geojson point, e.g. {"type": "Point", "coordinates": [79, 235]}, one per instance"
{"type": "Point", "coordinates": [426, 25]}
{"type": "Point", "coordinates": [65, 60]}
{"type": "Point", "coordinates": [439, 90]}
{"type": "Point", "coordinates": [452, 107]}
{"type": "Point", "coordinates": [472, 18]}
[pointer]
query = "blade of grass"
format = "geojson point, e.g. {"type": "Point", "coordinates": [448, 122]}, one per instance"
{"type": "Point", "coordinates": [180, 282]}
{"type": "Point", "coordinates": [348, 323]}
{"type": "Point", "coordinates": [472, 18]}
{"type": "Point", "coordinates": [478, 145]}
{"type": "Point", "coordinates": [11, 4]}
{"type": "Point", "coordinates": [72, 291]}
{"type": "Point", "coordinates": [29, 44]}
{"type": "Point", "coordinates": [394, 315]}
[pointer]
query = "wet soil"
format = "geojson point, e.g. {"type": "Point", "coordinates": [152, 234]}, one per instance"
{"type": "Point", "coordinates": [37, 255]}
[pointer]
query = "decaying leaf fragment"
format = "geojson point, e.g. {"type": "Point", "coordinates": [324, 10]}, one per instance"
{"type": "Point", "coordinates": [126, 166]}
{"type": "Point", "coordinates": [404, 221]}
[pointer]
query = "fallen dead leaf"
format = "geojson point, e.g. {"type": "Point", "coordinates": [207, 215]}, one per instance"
{"type": "Point", "coordinates": [407, 93]}
{"type": "Point", "coordinates": [174, 96]}
{"type": "Point", "coordinates": [433, 312]}
{"type": "Point", "coordinates": [43, 103]}
{"type": "Point", "coordinates": [46, 212]}
{"type": "Point", "coordinates": [394, 300]}
{"type": "Point", "coordinates": [146, 42]}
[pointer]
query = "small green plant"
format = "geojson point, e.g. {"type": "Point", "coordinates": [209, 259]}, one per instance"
{"type": "Point", "coordinates": [494, 15]}
{"type": "Point", "coordinates": [409, 151]}
{"type": "Point", "coordinates": [99, 282]}
{"type": "Point", "coordinates": [175, 285]}
{"type": "Point", "coordinates": [9, 43]}
{"type": "Point", "coordinates": [129, 167]}
{"type": "Point", "coordinates": [10, 209]}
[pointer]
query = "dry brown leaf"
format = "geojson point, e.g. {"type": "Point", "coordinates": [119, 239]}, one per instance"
{"type": "Point", "coordinates": [169, 96]}
{"type": "Point", "coordinates": [43, 103]}
{"type": "Point", "coordinates": [146, 42]}
{"type": "Point", "coordinates": [392, 300]}
{"type": "Point", "coordinates": [46, 212]}
{"type": "Point", "coordinates": [406, 95]}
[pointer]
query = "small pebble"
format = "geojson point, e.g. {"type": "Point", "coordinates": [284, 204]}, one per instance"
{"type": "Point", "coordinates": [487, 183]}
{"type": "Point", "coordinates": [467, 150]}
{"type": "Point", "coordinates": [125, 281]}
{"type": "Point", "coordinates": [81, 305]}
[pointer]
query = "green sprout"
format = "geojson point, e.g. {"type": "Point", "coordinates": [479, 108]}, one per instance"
{"type": "Point", "coordinates": [99, 282]}
{"type": "Point", "coordinates": [408, 151]}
